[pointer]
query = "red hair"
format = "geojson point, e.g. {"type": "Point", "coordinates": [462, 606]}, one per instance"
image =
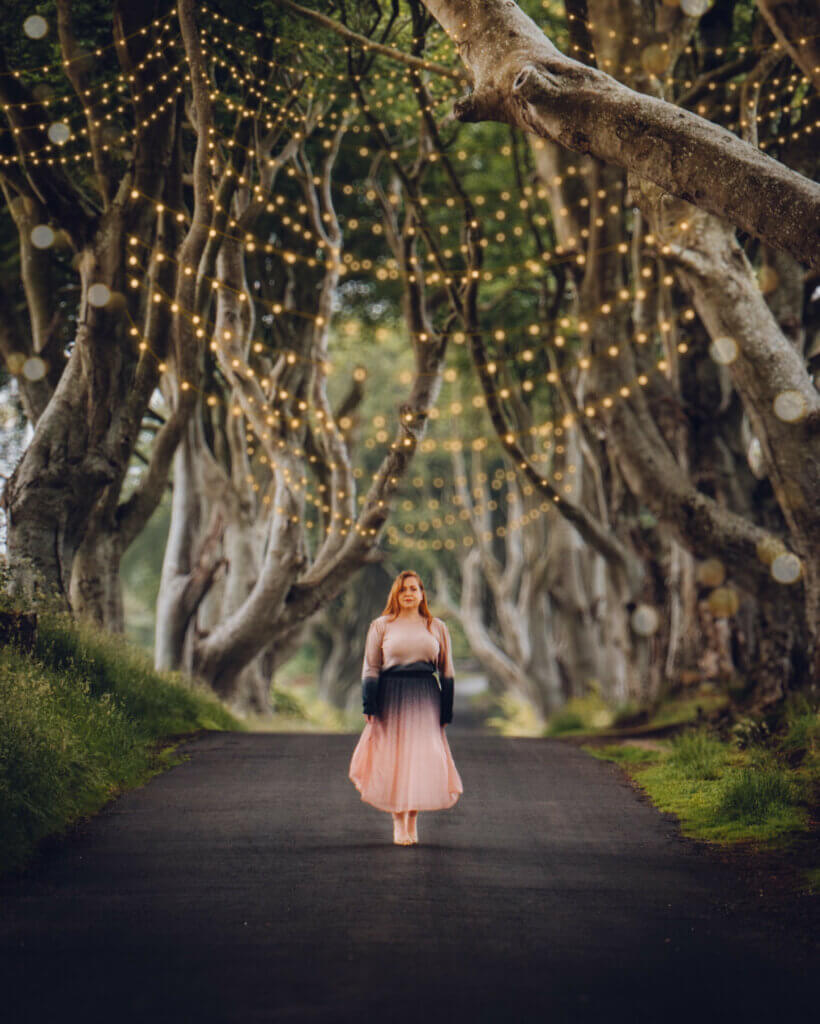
{"type": "Point", "coordinates": [393, 607]}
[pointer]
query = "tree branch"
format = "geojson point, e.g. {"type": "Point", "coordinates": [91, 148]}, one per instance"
{"type": "Point", "coordinates": [522, 79]}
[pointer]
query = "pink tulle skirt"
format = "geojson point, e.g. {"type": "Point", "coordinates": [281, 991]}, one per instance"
{"type": "Point", "coordinates": [402, 761]}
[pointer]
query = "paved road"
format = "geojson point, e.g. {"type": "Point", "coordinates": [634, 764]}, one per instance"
{"type": "Point", "coordinates": [251, 884]}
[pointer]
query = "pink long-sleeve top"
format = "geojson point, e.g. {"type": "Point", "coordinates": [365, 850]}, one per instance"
{"type": "Point", "coordinates": [402, 641]}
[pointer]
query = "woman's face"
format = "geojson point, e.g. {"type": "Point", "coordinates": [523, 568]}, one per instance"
{"type": "Point", "coordinates": [410, 593]}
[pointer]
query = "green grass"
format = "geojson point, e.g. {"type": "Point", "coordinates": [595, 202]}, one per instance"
{"type": "Point", "coordinates": [802, 727]}
{"type": "Point", "coordinates": [695, 754]}
{"type": "Point", "coordinates": [565, 721]}
{"type": "Point", "coordinates": [83, 718]}
{"type": "Point", "coordinates": [624, 753]}
{"type": "Point", "coordinates": [720, 793]}
{"type": "Point", "coordinates": [755, 794]}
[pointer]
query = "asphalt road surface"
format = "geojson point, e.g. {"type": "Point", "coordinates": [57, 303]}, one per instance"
{"type": "Point", "coordinates": [251, 884]}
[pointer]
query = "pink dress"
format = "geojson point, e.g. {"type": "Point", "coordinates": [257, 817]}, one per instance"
{"type": "Point", "coordinates": [402, 761]}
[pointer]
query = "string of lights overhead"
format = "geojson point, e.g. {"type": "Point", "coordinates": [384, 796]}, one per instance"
{"type": "Point", "coordinates": [794, 83]}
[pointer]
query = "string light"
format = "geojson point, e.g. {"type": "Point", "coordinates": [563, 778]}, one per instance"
{"type": "Point", "coordinates": [102, 295]}
{"type": "Point", "coordinates": [98, 51]}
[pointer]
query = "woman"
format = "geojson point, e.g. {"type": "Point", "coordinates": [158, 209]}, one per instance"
{"type": "Point", "coordinates": [402, 762]}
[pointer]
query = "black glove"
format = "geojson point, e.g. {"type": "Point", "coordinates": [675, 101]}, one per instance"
{"type": "Point", "coordinates": [447, 691]}
{"type": "Point", "coordinates": [370, 695]}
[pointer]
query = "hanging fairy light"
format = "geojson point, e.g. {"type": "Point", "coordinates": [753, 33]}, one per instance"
{"type": "Point", "coordinates": [59, 132]}
{"type": "Point", "coordinates": [786, 568]}
{"type": "Point", "coordinates": [99, 294]}
{"type": "Point", "coordinates": [723, 602]}
{"type": "Point", "coordinates": [723, 350]}
{"type": "Point", "coordinates": [35, 26]}
{"type": "Point", "coordinates": [711, 573]}
{"type": "Point", "coordinates": [42, 237]}
{"type": "Point", "coordinates": [768, 549]}
{"type": "Point", "coordinates": [34, 368]}
{"type": "Point", "coordinates": [790, 406]}
{"type": "Point", "coordinates": [695, 8]}
{"type": "Point", "coordinates": [15, 362]}
{"type": "Point", "coordinates": [655, 58]}
{"type": "Point", "coordinates": [645, 620]}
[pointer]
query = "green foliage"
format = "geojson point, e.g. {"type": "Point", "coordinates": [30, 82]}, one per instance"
{"type": "Point", "coordinates": [302, 710]}
{"type": "Point", "coordinates": [749, 731]}
{"type": "Point", "coordinates": [564, 721]}
{"type": "Point", "coordinates": [81, 720]}
{"type": "Point", "coordinates": [624, 753]}
{"type": "Point", "coordinates": [515, 717]}
{"type": "Point", "coordinates": [286, 702]}
{"type": "Point", "coordinates": [581, 713]}
{"type": "Point", "coordinates": [756, 793]}
{"type": "Point", "coordinates": [721, 794]}
{"type": "Point", "coordinates": [697, 755]}
{"type": "Point", "coordinates": [802, 725]}
{"type": "Point", "coordinates": [80, 651]}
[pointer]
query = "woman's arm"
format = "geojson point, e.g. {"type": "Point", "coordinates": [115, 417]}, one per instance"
{"type": "Point", "coordinates": [371, 667]}
{"type": "Point", "coordinates": [446, 675]}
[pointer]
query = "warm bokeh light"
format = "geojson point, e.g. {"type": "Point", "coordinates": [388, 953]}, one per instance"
{"type": "Point", "coordinates": [723, 602]}
{"type": "Point", "coordinates": [790, 406]}
{"type": "Point", "coordinates": [645, 620]}
{"type": "Point", "coordinates": [42, 237]}
{"type": "Point", "coordinates": [34, 368]}
{"type": "Point", "coordinates": [35, 26]}
{"type": "Point", "coordinates": [723, 350]}
{"type": "Point", "coordinates": [711, 573]}
{"type": "Point", "coordinates": [99, 294]}
{"type": "Point", "coordinates": [786, 568]}
{"type": "Point", "coordinates": [59, 132]}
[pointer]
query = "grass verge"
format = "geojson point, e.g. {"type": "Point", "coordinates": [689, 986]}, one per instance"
{"type": "Point", "coordinates": [84, 717]}
{"type": "Point", "coordinates": [757, 789]}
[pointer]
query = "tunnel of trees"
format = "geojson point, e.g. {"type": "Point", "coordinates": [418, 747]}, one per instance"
{"type": "Point", "coordinates": [526, 298]}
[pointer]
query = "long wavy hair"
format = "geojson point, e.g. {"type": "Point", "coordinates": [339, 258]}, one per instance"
{"type": "Point", "coordinates": [393, 607]}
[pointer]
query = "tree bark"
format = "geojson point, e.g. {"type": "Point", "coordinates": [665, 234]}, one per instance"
{"type": "Point", "coordinates": [520, 78]}
{"type": "Point", "coordinates": [85, 436]}
{"type": "Point", "coordinates": [725, 293]}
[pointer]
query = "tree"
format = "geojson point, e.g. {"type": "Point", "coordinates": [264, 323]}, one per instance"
{"type": "Point", "coordinates": [643, 455]}
{"type": "Point", "coordinates": [66, 528]}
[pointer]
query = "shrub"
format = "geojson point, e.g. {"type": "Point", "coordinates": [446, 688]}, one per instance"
{"type": "Point", "coordinates": [564, 721]}
{"type": "Point", "coordinates": [285, 702]}
{"type": "Point", "coordinates": [749, 731]}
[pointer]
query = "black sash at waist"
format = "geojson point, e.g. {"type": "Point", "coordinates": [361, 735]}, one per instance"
{"type": "Point", "coordinates": [414, 668]}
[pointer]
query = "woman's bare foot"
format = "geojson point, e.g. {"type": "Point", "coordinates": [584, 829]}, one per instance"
{"type": "Point", "coordinates": [400, 834]}
{"type": "Point", "coordinates": [412, 818]}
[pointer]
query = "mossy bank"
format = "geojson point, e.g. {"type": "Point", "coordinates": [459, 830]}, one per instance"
{"type": "Point", "coordinates": [84, 717]}
{"type": "Point", "coordinates": [755, 788]}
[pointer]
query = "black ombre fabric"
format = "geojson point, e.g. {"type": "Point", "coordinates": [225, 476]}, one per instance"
{"type": "Point", "coordinates": [402, 761]}
{"type": "Point", "coordinates": [401, 685]}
